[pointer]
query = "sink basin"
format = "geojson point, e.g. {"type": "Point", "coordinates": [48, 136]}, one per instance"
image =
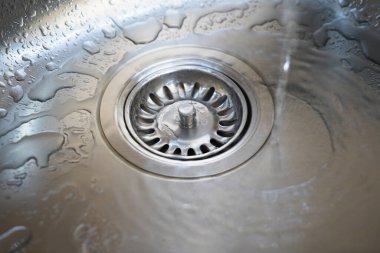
{"type": "Point", "coordinates": [190, 126]}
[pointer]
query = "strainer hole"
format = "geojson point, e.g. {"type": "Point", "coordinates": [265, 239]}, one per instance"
{"type": "Point", "coordinates": [209, 94]}
{"type": "Point", "coordinates": [177, 151]}
{"type": "Point", "coordinates": [164, 148]}
{"type": "Point", "coordinates": [191, 152]}
{"type": "Point", "coordinates": [156, 99]}
{"type": "Point", "coordinates": [227, 122]}
{"type": "Point", "coordinates": [225, 134]}
{"type": "Point", "coordinates": [168, 93]}
{"type": "Point", "coordinates": [204, 149]}
{"type": "Point", "coordinates": [225, 112]}
{"type": "Point", "coordinates": [219, 101]}
{"type": "Point", "coordinates": [146, 131]}
{"type": "Point", "coordinates": [153, 141]}
{"type": "Point", "coordinates": [216, 143]}
{"type": "Point", "coordinates": [147, 109]}
{"type": "Point", "coordinates": [195, 91]}
{"type": "Point", "coordinates": [144, 120]}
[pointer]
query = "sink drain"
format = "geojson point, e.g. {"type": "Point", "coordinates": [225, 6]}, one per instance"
{"type": "Point", "coordinates": [185, 112]}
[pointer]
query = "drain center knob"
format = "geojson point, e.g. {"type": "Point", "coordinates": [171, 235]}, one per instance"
{"type": "Point", "coordinates": [187, 114]}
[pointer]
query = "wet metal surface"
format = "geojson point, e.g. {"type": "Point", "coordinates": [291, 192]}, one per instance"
{"type": "Point", "coordinates": [302, 176]}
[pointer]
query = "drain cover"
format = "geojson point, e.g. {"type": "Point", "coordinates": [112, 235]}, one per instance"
{"type": "Point", "coordinates": [186, 112]}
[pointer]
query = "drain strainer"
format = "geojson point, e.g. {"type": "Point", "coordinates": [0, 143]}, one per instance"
{"type": "Point", "coordinates": [186, 111]}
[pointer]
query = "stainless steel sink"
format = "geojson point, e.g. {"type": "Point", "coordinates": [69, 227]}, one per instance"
{"type": "Point", "coordinates": [190, 126]}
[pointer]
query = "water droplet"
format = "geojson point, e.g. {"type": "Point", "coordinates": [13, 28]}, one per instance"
{"type": "Point", "coordinates": [344, 3]}
{"type": "Point", "coordinates": [14, 239]}
{"type": "Point", "coordinates": [46, 47]}
{"type": "Point", "coordinates": [25, 35]}
{"type": "Point", "coordinates": [80, 231]}
{"type": "Point", "coordinates": [225, 8]}
{"type": "Point", "coordinates": [367, 38]}
{"type": "Point", "coordinates": [16, 92]}
{"type": "Point", "coordinates": [20, 75]}
{"type": "Point", "coordinates": [14, 182]}
{"type": "Point", "coordinates": [109, 32]}
{"type": "Point", "coordinates": [109, 52]}
{"type": "Point", "coordinates": [91, 47]}
{"type": "Point", "coordinates": [51, 66]}
{"type": "Point", "coordinates": [43, 90]}
{"type": "Point", "coordinates": [3, 113]}
{"type": "Point", "coordinates": [21, 175]}
{"type": "Point", "coordinates": [28, 58]}
{"type": "Point", "coordinates": [143, 32]}
{"type": "Point", "coordinates": [33, 13]}
{"type": "Point", "coordinates": [8, 75]}
{"type": "Point", "coordinates": [44, 31]}
{"type": "Point", "coordinates": [39, 146]}
{"type": "Point", "coordinates": [21, 23]}
{"type": "Point", "coordinates": [174, 18]}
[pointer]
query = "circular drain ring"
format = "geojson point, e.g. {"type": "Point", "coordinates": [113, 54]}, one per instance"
{"type": "Point", "coordinates": [121, 81]}
{"type": "Point", "coordinates": [153, 112]}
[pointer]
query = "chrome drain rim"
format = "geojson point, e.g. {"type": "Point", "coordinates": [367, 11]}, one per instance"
{"type": "Point", "coordinates": [137, 70]}
{"type": "Point", "coordinates": [186, 112]}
